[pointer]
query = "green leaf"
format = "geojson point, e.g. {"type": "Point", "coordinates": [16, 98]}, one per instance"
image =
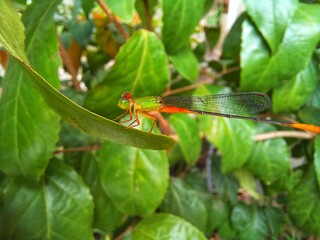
{"type": "Point", "coordinates": [189, 139]}
{"type": "Point", "coordinates": [38, 210]}
{"type": "Point", "coordinates": [29, 129]}
{"type": "Point", "coordinates": [274, 220]}
{"type": "Point", "coordinates": [271, 18]}
{"type": "Point", "coordinates": [262, 70]}
{"type": "Point", "coordinates": [270, 159]}
{"type": "Point", "coordinates": [184, 201]}
{"type": "Point", "coordinates": [218, 213]}
{"type": "Point", "coordinates": [186, 64]}
{"type": "Point", "coordinates": [232, 43]}
{"type": "Point", "coordinates": [107, 216]}
{"type": "Point", "coordinates": [165, 226]}
{"type": "Point", "coordinates": [317, 158]}
{"type": "Point", "coordinates": [248, 182]}
{"type": "Point", "coordinates": [12, 38]}
{"type": "Point", "coordinates": [78, 116]}
{"type": "Point", "coordinates": [122, 8]}
{"type": "Point", "coordinates": [131, 177]}
{"type": "Point", "coordinates": [304, 204]}
{"type": "Point", "coordinates": [233, 137]}
{"type": "Point", "coordinates": [225, 185]}
{"type": "Point", "coordinates": [249, 221]}
{"type": "Point", "coordinates": [81, 32]}
{"type": "Point", "coordinates": [297, 90]}
{"type": "Point", "coordinates": [141, 67]}
{"type": "Point", "coordinates": [179, 21]}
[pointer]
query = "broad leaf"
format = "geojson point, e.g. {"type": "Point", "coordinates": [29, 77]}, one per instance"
{"type": "Point", "coordinates": [131, 177]}
{"type": "Point", "coordinates": [165, 226]}
{"type": "Point", "coordinates": [189, 138]}
{"type": "Point", "coordinates": [141, 67]}
{"type": "Point", "coordinates": [304, 204]}
{"type": "Point", "coordinates": [122, 8]}
{"type": "Point", "coordinates": [247, 182]}
{"type": "Point", "coordinates": [233, 137]}
{"type": "Point", "coordinates": [179, 21]}
{"type": "Point", "coordinates": [107, 217]}
{"type": "Point", "coordinates": [29, 129]}
{"type": "Point", "coordinates": [262, 70]}
{"type": "Point", "coordinates": [272, 18]}
{"type": "Point", "coordinates": [249, 221]}
{"type": "Point", "coordinates": [11, 37]}
{"type": "Point", "coordinates": [297, 90]}
{"type": "Point", "coordinates": [184, 201]}
{"type": "Point", "coordinates": [274, 220]}
{"type": "Point", "coordinates": [38, 210]}
{"type": "Point", "coordinates": [186, 64]}
{"type": "Point", "coordinates": [270, 159]}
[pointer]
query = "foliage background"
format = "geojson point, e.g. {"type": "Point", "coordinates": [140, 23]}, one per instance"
{"type": "Point", "coordinates": [224, 178]}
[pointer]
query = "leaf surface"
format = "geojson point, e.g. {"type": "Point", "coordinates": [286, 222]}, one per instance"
{"type": "Point", "coordinates": [38, 210]}
{"type": "Point", "coordinates": [123, 8]}
{"type": "Point", "coordinates": [262, 69]}
{"type": "Point", "coordinates": [188, 132]}
{"type": "Point", "coordinates": [131, 177]}
{"type": "Point", "coordinates": [166, 226]}
{"type": "Point", "coordinates": [184, 201]}
{"type": "Point", "coordinates": [272, 18]}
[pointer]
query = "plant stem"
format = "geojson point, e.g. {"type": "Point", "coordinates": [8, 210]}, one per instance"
{"type": "Point", "coordinates": [113, 19]}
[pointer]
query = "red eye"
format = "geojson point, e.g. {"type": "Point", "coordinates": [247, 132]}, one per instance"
{"type": "Point", "coordinates": [126, 95]}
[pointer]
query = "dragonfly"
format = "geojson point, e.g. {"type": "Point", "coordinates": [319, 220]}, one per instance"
{"type": "Point", "coordinates": [241, 105]}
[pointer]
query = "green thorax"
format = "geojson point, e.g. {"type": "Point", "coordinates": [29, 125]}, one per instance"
{"type": "Point", "coordinates": [148, 103]}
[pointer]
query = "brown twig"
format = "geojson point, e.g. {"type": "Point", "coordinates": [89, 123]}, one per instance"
{"type": "Point", "coordinates": [113, 19]}
{"type": "Point", "coordinates": [281, 134]}
{"type": "Point", "coordinates": [200, 83]}
{"type": "Point", "coordinates": [148, 15]}
{"type": "Point", "coordinates": [69, 65]}
{"type": "Point", "coordinates": [78, 149]}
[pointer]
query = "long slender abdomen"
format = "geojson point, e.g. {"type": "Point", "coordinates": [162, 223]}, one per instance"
{"type": "Point", "coordinates": [173, 109]}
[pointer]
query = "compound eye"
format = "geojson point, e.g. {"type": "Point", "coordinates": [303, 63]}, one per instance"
{"type": "Point", "coordinates": [123, 103]}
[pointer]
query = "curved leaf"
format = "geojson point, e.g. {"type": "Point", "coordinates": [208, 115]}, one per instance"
{"type": "Point", "coordinates": [262, 70]}
{"type": "Point", "coordinates": [12, 38]}
{"type": "Point", "coordinates": [233, 137]}
{"type": "Point", "coordinates": [107, 216]}
{"type": "Point", "coordinates": [122, 8]}
{"type": "Point", "coordinates": [249, 221]}
{"type": "Point", "coordinates": [140, 67]}
{"type": "Point", "coordinates": [297, 90]}
{"type": "Point", "coordinates": [38, 210]}
{"type": "Point", "coordinates": [78, 116]}
{"type": "Point", "coordinates": [270, 159]}
{"type": "Point", "coordinates": [183, 201]}
{"type": "Point", "coordinates": [29, 129]}
{"type": "Point", "coordinates": [188, 132]}
{"type": "Point", "coordinates": [272, 18]}
{"type": "Point", "coordinates": [131, 177]}
{"type": "Point", "coordinates": [166, 226]}
{"type": "Point", "coordinates": [186, 64]}
{"type": "Point", "coordinates": [304, 204]}
{"type": "Point", "coordinates": [180, 18]}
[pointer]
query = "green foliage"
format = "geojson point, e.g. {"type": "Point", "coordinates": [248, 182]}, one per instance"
{"type": "Point", "coordinates": [69, 171]}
